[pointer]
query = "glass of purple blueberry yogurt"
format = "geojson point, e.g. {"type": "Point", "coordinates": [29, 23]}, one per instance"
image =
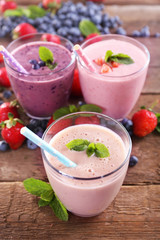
{"type": "Point", "coordinates": [50, 67]}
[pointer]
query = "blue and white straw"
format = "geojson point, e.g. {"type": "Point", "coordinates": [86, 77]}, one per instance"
{"type": "Point", "coordinates": [12, 60]}
{"type": "Point", "coordinates": [45, 146]}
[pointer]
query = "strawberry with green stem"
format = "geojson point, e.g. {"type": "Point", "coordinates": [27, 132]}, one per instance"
{"type": "Point", "coordinates": [8, 107]}
{"type": "Point", "coordinates": [11, 132]}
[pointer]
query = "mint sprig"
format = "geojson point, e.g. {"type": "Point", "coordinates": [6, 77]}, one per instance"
{"type": "Point", "coordinates": [46, 56]}
{"type": "Point", "coordinates": [73, 108]}
{"type": "Point", "coordinates": [47, 196]}
{"type": "Point", "coordinates": [158, 122]}
{"type": "Point", "coordinates": [98, 149]}
{"type": "Point", "coordinates": [87, 27]}
{"type": "Point", "coordinates": [119, 58]}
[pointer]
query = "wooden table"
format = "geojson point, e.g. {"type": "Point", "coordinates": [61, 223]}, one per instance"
{"type": "Point", "coordinates": [135, 213]}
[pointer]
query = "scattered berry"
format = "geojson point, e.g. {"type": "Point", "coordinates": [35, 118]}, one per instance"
{"type": "Point", "coordinates": [76, 87]}
{"type": "Point", "coordinates": [128, 124]}
{"type": "Point", "coordinates": [50, 38]}
{"type": "Point", "coordinates": [99, 61]}
{"type": "Point", "coordinates": [5, 5]}
{"type": "Point", "coordinates": [23, 29]}
{"type": "Point", "coordinates": [105, 68]}
{"type": "Point", "coordinates": [144, 122]}
{"type": "Point", "coordinates": [11, 132]}
{"type": "Point", "coordinates": [1, 58]}
{"type": "Point", "coordinates": [4, 146]}
{"type": "Point", "coordinates": [121, 31]}
{"type": "Point", "coordinates": [92, 35]}
{"type": "Point", "coordinates": [115, 64]}
{"type": "Point", "coordinates": [31, 145]}
{"type": "Point", "coordinates": [39, 131]}
{"type": "Point", "coordinates": [7, 94]}
{"type": "Point", "coordinates": [6, 108]}
{"type": "Point", "coordinates": [50, 3]}
{"type": "Point", "coordinates": [157, 35]}
{"type": "Point", "coordinates": [4, 80]}
{"type": "Point", "coordinates": [133, 161]}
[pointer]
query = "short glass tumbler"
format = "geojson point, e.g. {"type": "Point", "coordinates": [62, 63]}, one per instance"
{"type": "Point", "coordinates": [87, 197]}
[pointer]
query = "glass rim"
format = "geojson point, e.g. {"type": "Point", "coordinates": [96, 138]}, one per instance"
{"type": "Point", "coordinates": [92, 178]}
{"type": "Point", "coordinates": [121, 37]}
{"type": "Point", "coordinates": [73, 56]}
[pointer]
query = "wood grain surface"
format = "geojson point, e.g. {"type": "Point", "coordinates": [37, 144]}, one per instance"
{"type": "Point", "coordinates": [135, 213]}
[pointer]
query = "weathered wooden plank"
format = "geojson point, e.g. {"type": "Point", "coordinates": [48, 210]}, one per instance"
{"type": "Point", "coordinates": [17, 165]}
{"type": "Point", "coordinates": [134, 214]}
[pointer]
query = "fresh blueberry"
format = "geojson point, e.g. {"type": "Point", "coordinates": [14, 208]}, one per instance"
{"type": "Point", "coordinates": [33, 61]}
{"type": "Point", "coordinates": [106, 30]}
{"type": "Point", "coordinates": [81, 103]}
{"type": "Point", "coordinates": [97, 19]}
{"type": "Point", "coordinates": [74, 31]}
{"type": "Point", "coordinates": [105, 17]}
{"type": "Point", "coordinates": [34, 122]}
{"type": "Point", "coordinates": [63, 31]}
{"type": "Point", "coordinates": [68, 23]}
{"type": "Point", "coordinates": [31, 145]}
{"type": "Point", "coordinates": [39, 131]}
{"type": "Point", "coordinates": [121, 31]}
{"type": "Point", "coordinates": [7, 94]}
{"type": "Point", "coordinates": [36, 66]}
{"type": "Point", "coordinates": [4, 146]}
{"type": "Point", "coordinates": [133, 161]}
{"type": "Point", "coordinates": [145, 31]}
{"type": "Point", "coordinates": [43, 124]}
{"type": "Point", "coordinates": [127, 123]}
{"type": "Point", "coordinates": [157, 35]}
{"type": "Point", "coordinates": [62, 17]}
{"type": "Point", "coordinates": [41, 63]}
{"type": "Point", "coordinates": [136, 33]}
{"type": "Point", "coordinates": [56, 23]}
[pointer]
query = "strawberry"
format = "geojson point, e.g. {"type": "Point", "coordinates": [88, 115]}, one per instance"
{"type": "Point", "coordinates": [115, 64]}
{"type": "Point", "coordinates": [1, 58]}
{"type": "Point", "coordinates": [76, 88]}
{"type": "Point", "coordinates": [99, 61]}
{"type": "Point", "coordinates": [11, 132]}
{"type": "Point", "coordinates": [87, 120]}
{"type": "Point", "coordinates": [51, 3]}
{"type": "Point", "coordinates": [105, 68]}
{"type": "Point", "coordinates": [51, 120]}
{"type": "Point", "coordinates": [50, 38]}
{"type": "Point", "coordinates": [4, 80]}
{"type": "Point", "coordinates": [23, 29]}
{"type": "Point", "coordinates": [92, 35]}
{"type": "Point", "coordinates": [60, 125]}
{"type": "Point", "coordinates": [144, 122]}
{"type": "Point", "coordinates": [5, 5]}
{"type": "Point", "coordinates": [8, 107]}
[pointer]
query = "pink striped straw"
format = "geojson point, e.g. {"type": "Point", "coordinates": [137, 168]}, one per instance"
{"type": "Point", "coordinates": [12, 60]}
{"type": "Point", "coordinates": [85, 59]}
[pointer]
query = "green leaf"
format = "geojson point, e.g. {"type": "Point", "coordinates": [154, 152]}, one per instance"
{"type": "Point", "coordinates": [42, 203]}
{"type": "Point", "coordinates": [39, 188]}
{"type": "Point", "coordinates": [45, 54]}
{"type": "Point", "coordinates": [58, 208]}
{"type": "Point", "coordinates": [13, 12]}
{"type": "Point", "coordinates": [90, 108]}
{"type": "Point", "coordinates": [26, 12]}
{"type": "Point", "coordinates": [73, 108]}
{"type": "Point", "coordinates": [101, 150]}
{"type": "Point", "coordinates": [91, 149]}
{"type": "Point", "coordinates": [51, 65]}
{"type": "Point", "coordinates": [158, 123]}
{"type": "Point", "coordinates": [36, 11]}
{"type": "Point", "coordinates": [87, 27]}
{"type": "Point", "coordinates": [61, 112]}
{"type": "Point", "coordinates": [78, 144]}
{"type": "Point", "coordinates": [108, 54]}
{"type": "Point", "coordinates": [125, 61]}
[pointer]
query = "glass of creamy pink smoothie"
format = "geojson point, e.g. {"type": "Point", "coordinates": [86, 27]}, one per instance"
{"type": "Point", "coordinates": [87, 189]}
{"type": "Point", "coordinates": [117, 90]}
{"type": "Point", "coordinates": [41, 91]}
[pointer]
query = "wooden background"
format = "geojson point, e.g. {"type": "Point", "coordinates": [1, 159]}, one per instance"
{"type": "Point", "coordinates": [135, 213]}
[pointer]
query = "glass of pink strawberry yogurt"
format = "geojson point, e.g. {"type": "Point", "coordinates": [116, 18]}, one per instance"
{"type": "Point", "coordinates": [87, 189]}
{"type": "Point", "coordinates": [117, 90]}
{"type": "Point", "coordinates": [41, 91]}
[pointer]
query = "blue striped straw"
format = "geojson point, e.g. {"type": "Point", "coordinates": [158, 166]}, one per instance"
{"type": "Point", "coordinates": [45, 146]}
{"type": "Point", "coordinates": [11, 59]}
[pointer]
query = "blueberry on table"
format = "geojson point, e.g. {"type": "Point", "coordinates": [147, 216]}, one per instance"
{"type": "Point", "coordinates": [31, 145]}
{"type": "Point", "coordinates": [121, 31]}
{"type": "Point", "coordinates": [4, 146]}
{"type": "Point", "coordinates": [34, 123]}
{"type": "Point", "coordinates": [133, 161]}
{"type": "Point", "coordinates": [136, 33]}
{"type": "Point", "coordinates": [7, 94]}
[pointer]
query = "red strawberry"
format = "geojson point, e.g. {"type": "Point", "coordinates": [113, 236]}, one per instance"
{"type": "Point", "coordinates": [144, 122]}
{"type": "Point", "coordinates": [51, 120]}
{"type": "Point", "coordinates": [51, 3]}
{"type": "Point", "coordinates": [87, 120]}
{"type": "Point", "coordinates": [92, 35]}
{"type": "Point", "coordinates": [1, 58]}
{"type": "Point", "coordinates": [99, 61]}
{"type": "Point", "coordinates": [76, 88]}
{"type": "Point", "coordinates": [105, 68]}
{"type": "Point", "coordinates": [4, 80]}
{"type": "Point", "coordinates": [50, 38]}
{"type": "Point", "coordinates": [11, 132]}
{"type": "Point", "coordinates": [115, 64]}
{"type": "Point", "coordinates": [4, 5]}
{"type": "Point", "coordinates": [8, 107]}
{"type": "Point", "coordinates": [60, 125]}
{"type": "Point", "coordinates": [23, 29]}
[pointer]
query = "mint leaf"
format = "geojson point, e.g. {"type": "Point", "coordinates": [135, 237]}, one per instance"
{"type": "Point", "coordinates": [45, 54]}
{"type": "Point", "coordinates": [158, 123]}
{"type": "Point", "coordinates": [39, 188]}
{"type": "Point", "coordinates": [101, 150]}
{"type": "Point", "coordinates": [42, 203]}
{"type": "Point", "coordinates": [87, 27]}
{"type": "Point", "coordinates": [13, 12]}
{"type": "Point", "coordinates": [61, 112]}
{"type": "Point", "coordinates": [59, 209]}
{"type": "Point", "coordinates": [90, 108]}
{"type": "Point", "coordinates": [108, 54]}
{"type": "Point", "coordinates": [73, 108]}
{"type": "Point", "coordinates": [51, 65]}
{"type": "Point", "coordinates": [36, 11]}
{"type": "Point", "coordinates": [78, 144]}
{"type": "Point", "coordinates": [91, 149]}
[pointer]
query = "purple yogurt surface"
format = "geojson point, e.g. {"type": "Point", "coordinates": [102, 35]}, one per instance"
{"type": "Point", "coordinates": [42, 91]}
